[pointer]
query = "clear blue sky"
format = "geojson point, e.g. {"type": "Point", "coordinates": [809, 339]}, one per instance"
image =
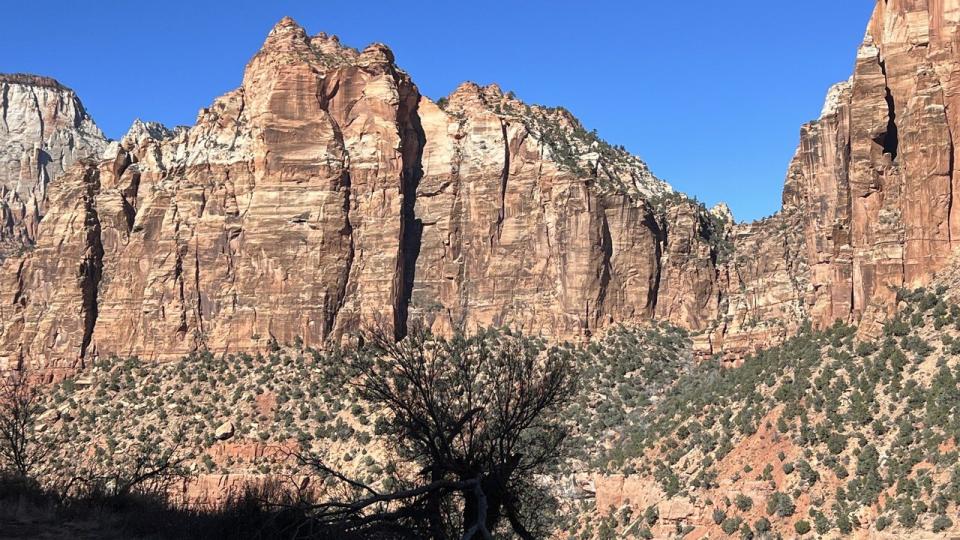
{"type": "Point", "coordinates": [711, 94]}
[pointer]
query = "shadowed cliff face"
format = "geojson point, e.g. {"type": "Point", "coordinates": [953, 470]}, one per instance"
{"type": "Point", "coordinates": [326, 193]}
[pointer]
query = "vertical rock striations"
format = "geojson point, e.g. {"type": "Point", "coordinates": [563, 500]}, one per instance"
{"type": "Point", "coordinates": [326, 193]}
{"type": "Point", "coordinates": [870, 196]}
{"type": "Point", "coordinates": [44, 129]}
{"type": "Point", "coordinates": [530, 221]}
{"type": "Point", "coordinates": [874, 177]}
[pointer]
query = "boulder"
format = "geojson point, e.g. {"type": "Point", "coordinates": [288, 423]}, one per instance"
{"type": "Point", "coordinates": [224, 431]}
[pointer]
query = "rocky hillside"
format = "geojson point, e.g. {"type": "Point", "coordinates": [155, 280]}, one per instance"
{"type": "Point", "coordinates": [240, 418]}
{"type": "Point", "coordinates": [326, 192]}
{"type": "Point", "coordinates": [793, 376]}
{"type": "Point", "coordinates": [826, 434]}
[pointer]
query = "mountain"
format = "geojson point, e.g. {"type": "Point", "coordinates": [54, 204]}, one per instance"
{"type": "Point", "coordinates": [326, 192]}
{"type": "Point", "coordinates": [826, 432]}
{"type": "Point", "coordinates": [44, 130]}
{"type": "Point", "coordinates": [794, 374]}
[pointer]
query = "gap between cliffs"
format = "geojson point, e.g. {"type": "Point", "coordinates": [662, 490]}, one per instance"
{"type": "Point", "coordinates": [890, 138]}
{"type": "Point", "coordinates": [504, 178]}
{"type": "Point", "coordinates": [91, 267]}
{"type": "Point", "coordinates": [412, 141]}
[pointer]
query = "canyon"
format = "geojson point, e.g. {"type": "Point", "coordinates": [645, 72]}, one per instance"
{"type": "Point", "coordinates": [327, 193]}
{"type": "Point", "coordinates": [189, 287]}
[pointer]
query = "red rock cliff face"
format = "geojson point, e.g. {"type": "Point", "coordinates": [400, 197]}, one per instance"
{"type": "Point", "coordinates": [512, 234]}
{"type": "Point", "coordinates": [869, 203]}
{"type": "Point", "coordinates": [326, 192]}
{"type": "Point", "coordinates": [874, 178]}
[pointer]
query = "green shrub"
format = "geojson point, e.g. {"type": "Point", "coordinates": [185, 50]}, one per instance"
{"type": "Point", "coordinates": [942, 523]}
{"type": "Point", "coordinates": [906, 516]}
{"type": "Point", "coordinates": [730, 525]}
{"type": "Point", "coordinates": [651, 515]}
{"type": "Point", "coordinates": [866, 348]}
{"type": "Point", "coordinates": [836, 443]}
{"type": "Point", "coordinates": [780, 504]}
{"type": "Point", "coordinates": [844, 523]}
{"type": "Point", "coordinates": [821, 523]}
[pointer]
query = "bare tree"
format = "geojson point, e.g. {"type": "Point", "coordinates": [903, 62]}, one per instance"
{"type": "Point", "coordinates": [21, 449]}
{"type": "Point", "coordinates": [351, 508]}
{"type": "Point", "coordinates": [479, 413]}
{"type": "Point", "coordinates": [150, 468]}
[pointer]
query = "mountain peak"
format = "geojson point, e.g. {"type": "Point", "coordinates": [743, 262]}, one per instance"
{"type": "Point", "coordinates": [835, 97]}
{"type": "Point", "coordinates": [30, 79]}
{"type": "Point", "coordinates": [377, 53]}
{"type": "Point", "coordinates": [288, 40]}
{"type": "Point", "coordinates": [723, 212]}
{"type": "Point", "coordinates": [286, 25]}
{"type": "Point", "coordinates": [140, 131]}
{"type": "Point", "coordinates": [284, 35]}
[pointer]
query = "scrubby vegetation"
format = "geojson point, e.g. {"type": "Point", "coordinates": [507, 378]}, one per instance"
{"type": "Point", "coordinates": [623, 373]}
{"type": "Point", "coordinates": [572, 147]}
{"type": "Point", "coordinates": [425, 437]}
{"type": "Point", "coordinates": [611, 169]}
{"type": "Point", "coordinates": [842, 433]}
{"type": "Point", "coordinates": [825, 434]}
{"type": "Point", "coordinates": [29, 511]}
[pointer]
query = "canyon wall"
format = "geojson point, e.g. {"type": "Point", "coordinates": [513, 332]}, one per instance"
{"type": "Point", "coordinates": [869, 203]}
{"type": "Point", "coordinates": [44, 129]}
{"type": "Point", "coordinates": [874, 178]}
{"type": "Point", "coordinates": [326, 193]}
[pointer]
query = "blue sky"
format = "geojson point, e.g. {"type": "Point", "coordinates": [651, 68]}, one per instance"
{"type": "Point", "coordinates": [711, 94]}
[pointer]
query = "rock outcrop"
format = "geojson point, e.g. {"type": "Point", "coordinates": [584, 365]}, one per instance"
{"type": "Point", "coordinates": [874, 178]}
{"type": "Point", "coordinates": [869, 204]}
{"type": "Point", "coordinates": [326, 193]}
{"type": "Point", "coordinates": [44, 130]}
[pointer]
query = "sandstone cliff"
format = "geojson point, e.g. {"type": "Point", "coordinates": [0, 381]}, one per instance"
{"type": "Point", "coordinates": [44, 130]}
{"type": "Point", "coordinates": [326, 192]}
{"type": "Point", "coordinates": [870, 196]}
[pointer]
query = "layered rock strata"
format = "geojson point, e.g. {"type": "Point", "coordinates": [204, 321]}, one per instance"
{"type": "Point", "coordinates": [44, 129]}
{"type": "Point", "coordinates": [326, 193]}
{"type": "Point", "coordinates": [869, 203]}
